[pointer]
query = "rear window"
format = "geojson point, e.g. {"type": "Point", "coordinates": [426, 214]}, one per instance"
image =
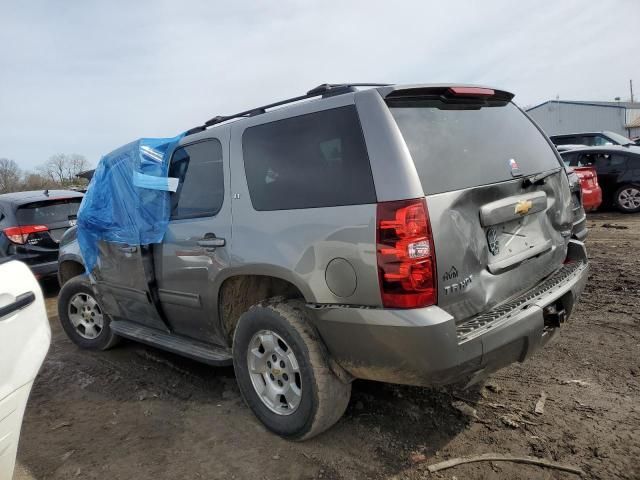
{"type": "Point", "coordinates": [460, 148]}
{"type": "Point", "coordinates": [567, 140]}
{"type": "Point", "coordinates": [309, 161]}
{"type": "Point", "coordinates": [48, 212]}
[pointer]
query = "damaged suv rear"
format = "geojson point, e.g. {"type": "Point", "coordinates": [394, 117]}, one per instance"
{"type": "Point", "coordinates": [415, 234]}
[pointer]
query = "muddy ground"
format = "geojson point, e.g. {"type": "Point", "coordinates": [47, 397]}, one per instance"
{"type": "Point", "coordinates": [139, 413]}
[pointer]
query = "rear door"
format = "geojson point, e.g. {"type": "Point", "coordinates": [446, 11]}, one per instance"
{"type": "Point", "coordinates": [497, 194]}
{"type": "Point", "coordinates": [197, 242]}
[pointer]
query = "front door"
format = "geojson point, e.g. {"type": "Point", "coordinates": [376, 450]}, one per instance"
{"type": "Point", "coordinates": [197, 242]}
{"type": "Point", "coordinates": [124, 281]}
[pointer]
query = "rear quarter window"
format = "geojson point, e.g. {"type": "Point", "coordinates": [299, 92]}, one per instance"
{"type": "Point", "coordinates": [457, 148]}
{"type": "Point", "coordinates": [309, 161]}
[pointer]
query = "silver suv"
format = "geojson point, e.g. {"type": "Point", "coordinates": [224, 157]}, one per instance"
{"type": "Point", "coordinates": [415, 234]}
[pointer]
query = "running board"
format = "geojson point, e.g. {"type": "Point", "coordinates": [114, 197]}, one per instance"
{"type": "Point", "coordinates": [210, 354]}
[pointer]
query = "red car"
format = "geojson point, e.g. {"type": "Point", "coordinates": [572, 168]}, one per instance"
{"type": "Point", "coordinates": [591, 192]}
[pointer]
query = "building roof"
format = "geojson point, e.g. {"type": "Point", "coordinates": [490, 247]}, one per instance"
{"type": "Point", "coordinates": [630, 105]}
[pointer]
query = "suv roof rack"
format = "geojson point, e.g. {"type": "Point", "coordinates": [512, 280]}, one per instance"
{"type": "Point", "coordinates": [325, 90]}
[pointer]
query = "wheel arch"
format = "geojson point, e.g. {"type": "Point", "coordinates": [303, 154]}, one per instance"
{"type": "Point", "coordinates": [68, 268]}
{"type": "Point", "coordinates": [238, 292]}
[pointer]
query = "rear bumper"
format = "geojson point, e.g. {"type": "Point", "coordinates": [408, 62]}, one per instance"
{"type": "Point", "coordinates": [591, 198]}
{"type": "Point", "coordinates": [426, 346]}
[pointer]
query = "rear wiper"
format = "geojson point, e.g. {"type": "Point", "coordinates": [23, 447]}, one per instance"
{"type": "Point", "coordinates": [537, 179]}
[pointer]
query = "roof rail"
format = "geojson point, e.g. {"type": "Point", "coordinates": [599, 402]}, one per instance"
{"type": "Point", "coordinates": [324, 90]}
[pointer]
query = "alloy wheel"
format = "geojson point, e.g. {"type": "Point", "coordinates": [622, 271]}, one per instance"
{"type": "Point", "coordinates": [85, 315]}
{"type": "Point", "coordinates": [274, 372]}
{"type": "Point", "coordinates": [629, 198]}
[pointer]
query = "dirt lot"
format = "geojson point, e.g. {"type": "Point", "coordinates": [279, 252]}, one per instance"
{"type": "Point", "coordinates": [136, 412]}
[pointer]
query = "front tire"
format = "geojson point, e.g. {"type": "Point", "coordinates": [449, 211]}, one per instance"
{"type": "Point", "coordinates": [283, 372]}
{"type": "Point", "coordinates": [627, 199]}
{"type": "Point", "coordinates": [82, 318]}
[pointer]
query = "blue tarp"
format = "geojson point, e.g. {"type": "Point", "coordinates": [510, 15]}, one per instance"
{"type": "Point", "coordinates": [128, 199]}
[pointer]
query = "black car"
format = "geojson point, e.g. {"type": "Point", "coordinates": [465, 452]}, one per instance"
{"type": "Point", "coordinates": [32, 223]}
{"type": "Point", "coordinates": [618, 171]}
{"type": "Point", "coordinates": [590, 139]}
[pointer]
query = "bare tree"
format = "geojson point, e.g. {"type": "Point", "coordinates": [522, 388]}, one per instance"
{"type": "Point", "coordinates": [37, 181]}
{"type": "Point", "coordinates": [62, 168]}
{"type": "Point", "coordinates": [9, 176]}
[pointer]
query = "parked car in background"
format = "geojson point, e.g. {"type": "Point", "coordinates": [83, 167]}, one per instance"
{"type": "Point", "coordinates": [24, 340]}
{"type": "Point", "coordinates": [569, 146]}
{"type": "Point", "coordinates": [618, 171]}
{"type": "Point", "coordinates": [590, 139]}
{"type": "Point", "coordinates": [579, 227]}
{"type": "Point", "coordinates": [590, 191]}
{"type": "Point", "coordinates": [408, 234]}
{"type": "Point", "coordinates": [32, 223]}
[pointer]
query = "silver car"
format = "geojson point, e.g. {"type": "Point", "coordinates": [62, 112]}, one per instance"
{"type": "Point", "coordinates": [417, 234]}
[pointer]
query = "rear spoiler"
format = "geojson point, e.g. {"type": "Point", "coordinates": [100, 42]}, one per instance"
{"type": "Point", "coordinates": [448, 96]}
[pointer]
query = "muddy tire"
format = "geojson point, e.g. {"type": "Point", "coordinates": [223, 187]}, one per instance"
{"type": "Point", "coordinates": [627, 199]}
{"type": "Point", "coordinates": [283, 372]}
{"type": "Point", "coordinates": [82, 318]}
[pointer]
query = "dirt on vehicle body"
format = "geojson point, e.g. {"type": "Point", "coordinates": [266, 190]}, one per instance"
{"type": "Point", "coordinates": [139, 412]}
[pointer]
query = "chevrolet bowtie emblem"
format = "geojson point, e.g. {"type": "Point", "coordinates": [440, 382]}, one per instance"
{"type": "Point", "coordinates": [523, 207]}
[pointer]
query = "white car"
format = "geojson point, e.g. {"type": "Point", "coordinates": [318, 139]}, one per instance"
{"type": "Point", "coordinates": [24, 340]}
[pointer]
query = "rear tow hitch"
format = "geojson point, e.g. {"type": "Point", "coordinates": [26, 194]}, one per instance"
{"type": "Point", "coordinates": [554, 315]}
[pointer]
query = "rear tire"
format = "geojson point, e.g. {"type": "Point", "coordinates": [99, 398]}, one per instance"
{"type": "Point", "coordinates": [627, 199]}
{"type": "Point", "coordinates": [270, 341]}
{"type": "Point", "coordinates": [81, 316]}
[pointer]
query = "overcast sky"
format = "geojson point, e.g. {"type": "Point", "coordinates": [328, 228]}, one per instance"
{"type": "Point", "coordinates": [88, 76]}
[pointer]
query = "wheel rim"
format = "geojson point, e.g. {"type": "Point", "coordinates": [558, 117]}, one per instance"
{"type": "Point", "coordinates": [629, 198]}
{"type": "Point", "coordinates": [275, 373]}
{"type": "Point", "coordinates": [85, 315]}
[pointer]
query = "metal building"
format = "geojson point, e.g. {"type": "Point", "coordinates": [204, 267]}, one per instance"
{"type": "Point", "coordinates": [566, 116]}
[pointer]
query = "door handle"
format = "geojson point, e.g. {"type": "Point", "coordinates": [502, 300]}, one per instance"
{"type": "Point", "coordinates": [22, 301]}
{"type": "Point", "coordinates": [128, 249]}
{"type": "Point", "coordinates": [211, 242]}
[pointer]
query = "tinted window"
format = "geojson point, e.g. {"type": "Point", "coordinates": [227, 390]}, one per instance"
{"type": "Point", "coordinates": [573, 140]}
{"type": "Point", "coordinates": [201, 189]}
{"type": "Point", "coordinates": [464, 147]}
{"type": "Point", "coordinates": [48, 212]}
{"type": "Point", "coordinates": [314, 160]}
{"type": "Point", "coordinates": [569, 159]}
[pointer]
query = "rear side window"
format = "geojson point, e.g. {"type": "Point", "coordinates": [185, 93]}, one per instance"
{"type": "Point", "coordinates": [201, 189]}
{"type": "Point", "coordinates": [48, 212]}
{"type": "Point", "coordinates": [457, 148]}
{"type": "Point", "coordinates": [314, 160]}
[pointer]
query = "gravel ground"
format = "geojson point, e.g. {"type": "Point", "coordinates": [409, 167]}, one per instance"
{"type": "Point", "coordinates": [137, 412]}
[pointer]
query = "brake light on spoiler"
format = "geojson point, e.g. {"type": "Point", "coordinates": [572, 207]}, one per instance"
{"type": "Point", "coordinates": [21, 234]}
{"type": "Point", "coordinates": [405, 254]}
{"type": "Point", "coordinates": [472, 91]}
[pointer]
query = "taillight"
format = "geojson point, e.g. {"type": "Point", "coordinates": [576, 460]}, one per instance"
{"type": "Point", "coordinates": [406, 258]}
{"type": "Point", "coordinates": [20, 235]}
